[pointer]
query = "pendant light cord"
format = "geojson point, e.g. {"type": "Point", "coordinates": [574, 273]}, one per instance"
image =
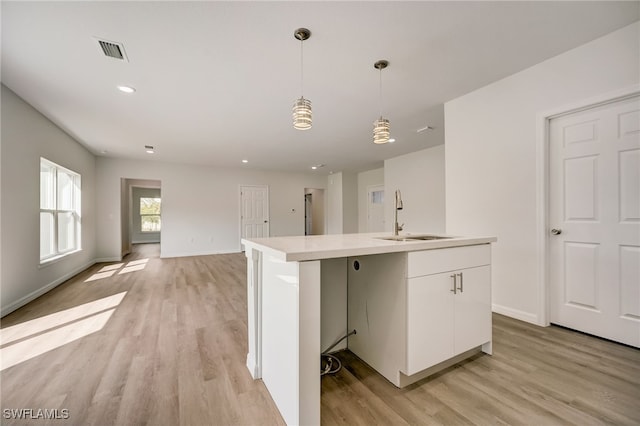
{"type": "Point", "coordinates": [301, 68]}
{"type": "Point", "coordinates": [380, 97]}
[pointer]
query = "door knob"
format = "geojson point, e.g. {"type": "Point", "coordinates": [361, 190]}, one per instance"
{"type": "Point", "coordinates": [555, 231]}
{"type": "Point", "coordinates": [265, 221]}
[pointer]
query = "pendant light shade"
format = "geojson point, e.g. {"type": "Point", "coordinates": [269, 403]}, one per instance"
{"type": "Point", "coordinates": [302, 114]}
{"type": "Point", "coordinates": [381, 131]}
{"type": "Point", "coordinates": [381, 127]}
{"type": "Point", "coordinates": [301, 111]}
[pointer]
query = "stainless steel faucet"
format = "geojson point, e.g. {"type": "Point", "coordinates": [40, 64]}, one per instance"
{"type": "Point", "coordinates": [398, 206]}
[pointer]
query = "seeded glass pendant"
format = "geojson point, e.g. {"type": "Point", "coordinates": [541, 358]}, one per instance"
{"type": "Point", "coordinates": [302, 114]}
{"type": "Point", "coordinates": [301, 111]}
{"type": "Point", "coordinates": [381, 127]}
{"type": "Point", "coordinates": [381, 131]}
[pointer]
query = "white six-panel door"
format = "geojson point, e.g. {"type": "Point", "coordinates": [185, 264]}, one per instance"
{"type": "Point", "coordinates": [594, 217]}
{"type": "Point", "coordinates": [254, 213]}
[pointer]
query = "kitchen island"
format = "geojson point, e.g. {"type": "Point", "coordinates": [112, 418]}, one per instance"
{"type": "Point", "coordinates": [417, 303]}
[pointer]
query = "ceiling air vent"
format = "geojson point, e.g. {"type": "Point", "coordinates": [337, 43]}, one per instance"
{"type": "Point", "coordinates": [113, 49]}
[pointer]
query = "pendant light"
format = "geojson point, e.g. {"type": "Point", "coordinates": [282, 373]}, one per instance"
{"type": "Point", "coordinates": [381, 128]}
{"type": "Point", "coordinates": [302, 107]}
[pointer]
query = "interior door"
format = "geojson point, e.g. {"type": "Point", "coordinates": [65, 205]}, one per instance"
{"type": "Point", "coordinates": [375, 208]}
{"type": "Point", "coordinates": [594, 243]}
{"type": "Point", "coordinates": [254, 219]}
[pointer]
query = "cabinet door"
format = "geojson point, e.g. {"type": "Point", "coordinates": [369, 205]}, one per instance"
{"type": "Point", "coordinates": [473, 309]}
{"type": "Point", "coordinates": [430, 321]}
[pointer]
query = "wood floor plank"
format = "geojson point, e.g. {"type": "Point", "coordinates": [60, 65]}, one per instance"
{"type": "Point", "coordinates": [173, 352]}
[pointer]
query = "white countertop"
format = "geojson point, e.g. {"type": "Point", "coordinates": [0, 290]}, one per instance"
{"type": "Point", "coordinates": [315, 247]}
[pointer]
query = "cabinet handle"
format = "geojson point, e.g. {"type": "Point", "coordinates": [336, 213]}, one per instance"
{"type": "Point", "coordinates": [461, 288]}
{"type": "Point", "coordinates": [455, 281]}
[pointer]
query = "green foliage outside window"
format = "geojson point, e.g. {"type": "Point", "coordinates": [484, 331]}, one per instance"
{"type": "Point", "coordinates": [150, 214]}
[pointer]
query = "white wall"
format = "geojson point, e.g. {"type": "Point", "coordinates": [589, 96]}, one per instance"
{"type": "Point", "coordinates": [334, 204]}
{"type": "Point", "coordinates": [349, 203]}
{"type": "Point", "coordinates": [420, 178]}
{"type": "Point", "coordinates": [200, 205]}
{"type": "Point", "coordinates": [125, 226]}
{"type": "Point", "coordinates": [26, 136]}
{"type": "Point", "coordinates": [491, 157]}
{"type": "Point", "coordinates": [365, 180]}
{"type": "Point", "coordinates": [342, 203]}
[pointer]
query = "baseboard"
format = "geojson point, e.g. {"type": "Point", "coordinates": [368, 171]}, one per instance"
{"type": "Point", "coordinates": [145, 242]}
{"type": "Point", "coordinates": [6, 310]}
{"type": "Point", "coordinates": [515, 313]}
{"type": "Point", "coordinates": [107, 259]}
{"type": "Point", "coordinates": [253, 368]}
{"type": "Point", "coordinates": [197, 253]}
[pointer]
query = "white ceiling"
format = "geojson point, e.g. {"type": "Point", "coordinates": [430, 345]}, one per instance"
{"type": "Point", "coordinates": [216, 80]}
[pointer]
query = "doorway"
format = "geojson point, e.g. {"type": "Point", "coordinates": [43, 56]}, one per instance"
{"type": "Point", "coordinates": [139, 224]}
{"type": "Point", "coordinates": [594, 220]}
{"type": "Point", "coordinates": [314, 211]}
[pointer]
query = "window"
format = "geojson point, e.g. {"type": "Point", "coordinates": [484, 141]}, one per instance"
{"type": "Point", "coordinates": [150, 214]}
{"type": "Point", "coordinates": [377, 197]}
{"type": "Point", "coordinates": [59, 211]}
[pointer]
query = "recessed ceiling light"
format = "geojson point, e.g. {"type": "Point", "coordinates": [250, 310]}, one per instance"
{"type": "Point", "coordinates": [149, 149]}
{"type": "Point", "coordinates": [245, 161]}
{"type": "Point", "coordinates": [126, 89]}
{"type": "Point", "coordinates": [317, 166]}
{"type": "Point", "coordinates": [392, 140]}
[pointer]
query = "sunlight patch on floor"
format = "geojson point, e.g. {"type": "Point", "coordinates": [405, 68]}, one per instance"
{"type": "Point", "coordinates": [133, 268]}
{"type": "Point", "coordinates": [29, 339]}
{"type": "Point", "coordinates": [111, 267]}
{"type": "Point", "coordinates": [100, 275]}
{"type": "Point", "coordinates": [109, 270]}
{"type": "Point", "coordinates": [34, 346]}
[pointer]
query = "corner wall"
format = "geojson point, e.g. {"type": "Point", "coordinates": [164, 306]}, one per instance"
{"type": "Point", "coordinates": [491, 178]}
{"type": "Point", "coordinates": [27, 135]}
{"type": "Point", "coordinates": [342, 203]}
{"type": "Point", "coordinates": [420, 178]}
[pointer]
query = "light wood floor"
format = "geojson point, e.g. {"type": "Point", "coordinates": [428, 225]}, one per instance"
{"type": "Point", "coordinates": [172, 351]}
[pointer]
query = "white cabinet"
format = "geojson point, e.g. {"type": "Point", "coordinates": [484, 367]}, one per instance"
{"type": "Point", "coordinates": [448, 304]}
{"type": "Point", "coordinates": [441, 324]}
{"type": "Point", "coordinates": [406, 313]}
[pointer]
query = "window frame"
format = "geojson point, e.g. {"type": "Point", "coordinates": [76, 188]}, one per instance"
{"type": "Point", "coordinates": [55, 212]}
{"type": "Point", "coordinates": [143, 215]}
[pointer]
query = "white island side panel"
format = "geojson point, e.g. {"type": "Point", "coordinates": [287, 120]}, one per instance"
{"type": "Point", "coordinates": [291, 337]}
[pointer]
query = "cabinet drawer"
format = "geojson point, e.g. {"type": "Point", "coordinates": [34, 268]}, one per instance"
{"type": "Point", "coordinates": [428, 262]}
